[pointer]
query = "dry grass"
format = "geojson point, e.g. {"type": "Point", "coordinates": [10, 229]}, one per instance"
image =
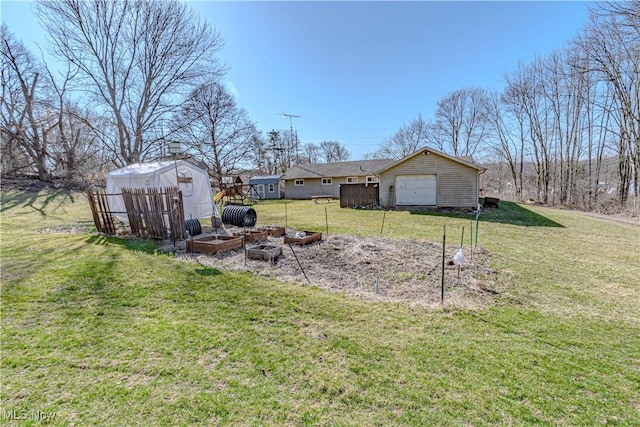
{"type": "Point", "coordinates": [405, 271]}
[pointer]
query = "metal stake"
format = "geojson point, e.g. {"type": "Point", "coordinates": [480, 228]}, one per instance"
{"type": "Point", "coordinates": [461, 243]}
{"type": "Point", "coordinates": [444, 239]}
{"type": "Point", "coordinates": [471, 242]}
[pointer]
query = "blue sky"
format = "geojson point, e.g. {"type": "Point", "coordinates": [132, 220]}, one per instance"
{"type": "Point", "coordinates": [357, 71]}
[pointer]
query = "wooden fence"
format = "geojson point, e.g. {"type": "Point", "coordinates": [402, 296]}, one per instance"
{"type": "Point", "coordinates": [152, 212]}
{"type": "Point", "coordinates": [357, 195]}
{"type": "Point", "coordinates": [102, 216]}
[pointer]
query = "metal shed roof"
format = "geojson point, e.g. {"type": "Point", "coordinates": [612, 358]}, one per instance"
{"type": "Point", "coordinates": [264, 179]}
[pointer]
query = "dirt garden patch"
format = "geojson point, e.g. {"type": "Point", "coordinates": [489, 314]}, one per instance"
{"type": "Point", "coordinates": [374, 269]}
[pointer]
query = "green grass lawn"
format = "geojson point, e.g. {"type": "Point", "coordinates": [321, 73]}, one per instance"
{"type": "Point", "coordinates": [105, 331]}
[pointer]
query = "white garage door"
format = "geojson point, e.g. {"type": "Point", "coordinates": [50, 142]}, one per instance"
{"type": "Point", "coordinates": [416, 190]}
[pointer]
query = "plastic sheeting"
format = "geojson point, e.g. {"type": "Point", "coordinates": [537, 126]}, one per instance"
{"type": "Point", "coordinates": [193, 181]}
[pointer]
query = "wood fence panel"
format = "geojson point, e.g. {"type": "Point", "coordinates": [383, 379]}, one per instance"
{"type": "Point", "coordinates": [133, 214]}
{"type": "Point", "coordinates": [153, 213]}
{"type": "Point", "coordinates": [357, 195]}
{"type": "Point", "coordinates": [100, 211]}
{"type": "Point", "coordinates": [173, 200]}
{"type": "Point", "coordinates": [157, 213]}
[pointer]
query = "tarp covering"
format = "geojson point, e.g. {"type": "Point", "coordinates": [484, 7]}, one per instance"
{"type": "Point", "coordinates": [193, 181]}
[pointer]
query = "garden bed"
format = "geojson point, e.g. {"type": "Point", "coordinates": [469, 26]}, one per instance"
{"type": "Point", "coordinates": [303, 237]}
{"type": "Point", "coordinates": [375, 269]}
{"type": "Point", "coordinates": [251, 236]}
{"type": "Point", "coordinates": [272, 230]}
{"type": "Point", "coordinates": [214, 244]}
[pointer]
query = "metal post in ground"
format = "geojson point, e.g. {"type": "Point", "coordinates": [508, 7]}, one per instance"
{"type": "Point", "coordinates": [444, 240]}
{"type": "Point", "coordinates": [461, 244]}
{"type": "Point", "coordinates": [477, 222]}
{"type": "Point", "coordinates": [471, 241]}
{"type": "Point", "coordinates": [244, 243]}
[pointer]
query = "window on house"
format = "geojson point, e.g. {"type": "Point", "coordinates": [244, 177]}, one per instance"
{"type": "Point", "coordinates": [271, 188]}
{"type": "Point", "coordinates": [299, 182]}
{"type": "Point", "coordinates": [352, 180]}
{"type": "Point", "coordinates": [327, 181]}
{"type": "Point", "coordinates": [372, 179]}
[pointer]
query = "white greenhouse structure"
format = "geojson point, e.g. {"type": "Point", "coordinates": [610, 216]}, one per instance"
{"type": "Point", "coordinates": [193, 181]}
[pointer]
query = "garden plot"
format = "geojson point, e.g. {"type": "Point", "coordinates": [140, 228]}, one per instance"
{"type": "Point", "coordinates": [376, 269]}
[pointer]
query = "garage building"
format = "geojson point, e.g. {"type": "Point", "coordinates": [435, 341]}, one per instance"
{"type": "Point", "coordinates": [429, 178]}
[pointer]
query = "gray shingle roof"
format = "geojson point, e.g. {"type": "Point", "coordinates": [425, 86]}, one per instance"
{"type": "Point", "coordinates": [465, 160]}
{"type": "Point", "coordinates": [340, 169]}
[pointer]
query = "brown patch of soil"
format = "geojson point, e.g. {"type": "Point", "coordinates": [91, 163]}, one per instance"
{"type": "Point", "coordinates": [405, 271]}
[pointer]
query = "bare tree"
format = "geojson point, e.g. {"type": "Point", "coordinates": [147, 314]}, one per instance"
{"type": "Point", "coordinates": [137, 60]}
{"type": "Point", "coordinates": [564, 89]}
{"type": "Point", "coordinates": [25, 111]}
{"type": "Point", "coordinates": [333, 151]}
{"type": "Point", "coordinates": [407, 140]}
{"type": "Point", "coordinates": [277, 154]}
{"type": "Point", "coordinates": [525, 91]}
{"type": "Point", "coordinates": [598, 102]}
{"type": "Point", "coordinates": [260, 159]}
{"type": "Point", "coordinates": [216, 130]}
{"type": "Point", "coordinates": [75, 147]}
{"type": "Point", "coordinates": [311, 153]}
{"type": "Point", "coordinates": [461, 122]}
{"type": "Point", "coordinates": [507, 120]}
{"type": "Point", "coordinates": [612, 45]}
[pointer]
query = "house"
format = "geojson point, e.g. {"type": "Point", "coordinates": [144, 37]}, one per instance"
{"type": "Point", "coordinates": [306, 181]}
{"type": "Point", "coordinates": [266, 186]}
{"type": "Point", "coordinates": [429, 178]}
{"type": "Point", "coordinates": [425, 178]}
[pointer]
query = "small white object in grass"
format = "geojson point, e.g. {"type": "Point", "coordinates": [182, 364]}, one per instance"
{"type": "Point", "coordinates": [458, 258]}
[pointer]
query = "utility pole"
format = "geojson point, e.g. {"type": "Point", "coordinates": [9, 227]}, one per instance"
{"type": "Point", "coordinates": [273, 137]}
{"type": "Point", "coordinates": [291, 117]}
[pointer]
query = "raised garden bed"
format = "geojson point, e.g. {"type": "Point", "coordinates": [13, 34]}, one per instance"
{"type": "Point", "coordinates": [252, 236]}
{"type": "Point", "coordinates": [214, 244]}
{"type": "Point", "coordinates": [272, 230]}
{"type": "Point", "coordinates": [264, 252]}
{"type": "Point", "coordinates": [309, 237]}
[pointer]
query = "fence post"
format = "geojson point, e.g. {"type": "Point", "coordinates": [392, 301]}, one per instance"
{"type": "Point", "coordinates": [444, 239]}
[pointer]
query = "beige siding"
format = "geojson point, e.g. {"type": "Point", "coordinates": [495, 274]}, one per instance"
{"type": "Point", "coordinates": [457, 184]}
{"type": "Point", "coordinates": [311, 187]}
{"type": "Point", "coordinates": [314, 187]}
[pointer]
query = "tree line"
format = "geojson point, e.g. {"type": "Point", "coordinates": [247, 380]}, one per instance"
{"type": "Point", "coordinates": [136, 75]}
{"type": "Point", "coordinates": [132, 75]}
{"type": "Point", "coordinates": [561, 124]}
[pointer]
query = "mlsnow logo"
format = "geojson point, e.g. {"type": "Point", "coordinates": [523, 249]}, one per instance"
{"type": "Point", "coordinates": [25, 415]}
